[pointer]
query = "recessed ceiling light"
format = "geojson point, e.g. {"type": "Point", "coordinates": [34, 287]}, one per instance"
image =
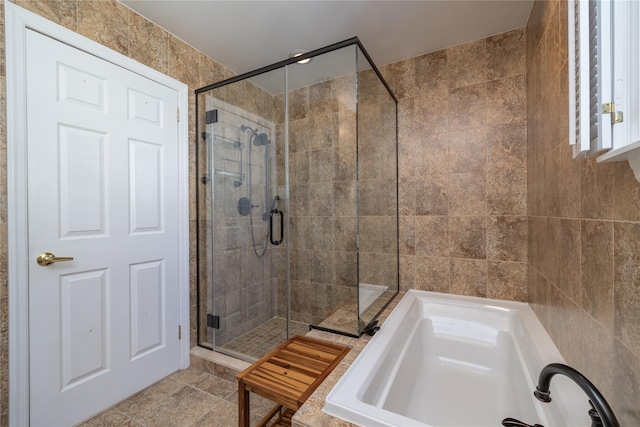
{"type": "Point", "coordinates": [299, 52]}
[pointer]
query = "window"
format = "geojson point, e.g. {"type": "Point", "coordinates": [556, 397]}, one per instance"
{"type": "Point", "coordinates": [604, 76]}
{"type": "Point", "coordinates": [590, 70]}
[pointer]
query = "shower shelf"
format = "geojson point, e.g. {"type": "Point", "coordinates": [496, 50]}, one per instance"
{"type": "Point", "coordinates": [230, 147]}
{"type": "Point", "coordinates": [229, 173]}
{"type": "Point", "coordinates": [232, 143]}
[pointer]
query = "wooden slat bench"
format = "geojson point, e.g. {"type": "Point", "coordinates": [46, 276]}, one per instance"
{"type": "Point", "coordinates": [288, 375]}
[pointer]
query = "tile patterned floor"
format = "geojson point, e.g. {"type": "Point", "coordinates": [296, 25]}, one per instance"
{"type": "Point", "coordinates": [261, 340]}
{"type": "Point", "coordinates": [196, 398]}
{"type": "Point", "coordinates": [188, 398]}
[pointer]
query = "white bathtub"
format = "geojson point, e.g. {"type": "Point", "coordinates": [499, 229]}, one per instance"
{"type": "Point", "coordinates": [447, 360]}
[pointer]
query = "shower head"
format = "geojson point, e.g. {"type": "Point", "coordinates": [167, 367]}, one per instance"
{"type": "Point", "coordinates": [261, 139]}
{"type": "Point", "coordinates": [244, 128]}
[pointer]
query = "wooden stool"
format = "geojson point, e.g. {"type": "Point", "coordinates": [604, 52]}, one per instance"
{"type": "Point", "coordinates": [287, 375]}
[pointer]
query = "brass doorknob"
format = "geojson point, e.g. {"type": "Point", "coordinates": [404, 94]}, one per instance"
{"type": "Point", "coordinates": [47, 258]}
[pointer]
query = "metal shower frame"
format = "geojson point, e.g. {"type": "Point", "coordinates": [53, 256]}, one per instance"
{"type": "Point", "coordinates": [370, 327]}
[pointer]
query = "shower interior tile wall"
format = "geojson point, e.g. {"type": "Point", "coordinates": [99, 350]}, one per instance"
{"type": "Point", "coordinates": [463, 168]}
{"type": "Point", "coordinates": [578, 210]}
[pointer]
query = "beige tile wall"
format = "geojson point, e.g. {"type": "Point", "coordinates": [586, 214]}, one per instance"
{"type": "Point", "coordinates": [466, 210]}
{"type": "Point", "coordinates": [584, 228]}
{"type": "Point", "coordinates": [463, 168]}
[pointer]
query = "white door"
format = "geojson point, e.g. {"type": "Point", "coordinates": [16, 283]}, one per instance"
{"type": "Point", "coordinates": [103, 189]}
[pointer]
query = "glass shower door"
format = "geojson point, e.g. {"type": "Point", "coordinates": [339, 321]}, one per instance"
{"type": "Point", "coordinates": [245, 220]}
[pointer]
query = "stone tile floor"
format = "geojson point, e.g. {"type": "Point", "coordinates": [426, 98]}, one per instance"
{"type": "Point", "coordinates": [196, 398]}
{"type": "Point", "coordinates": [188, 398]}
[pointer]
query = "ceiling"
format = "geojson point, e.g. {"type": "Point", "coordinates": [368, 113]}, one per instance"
{"type": "Point", "coordinates": [246, 35]}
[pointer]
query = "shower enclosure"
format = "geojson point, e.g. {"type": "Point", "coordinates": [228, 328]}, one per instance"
{"type": "Point", "coordinates": [297, 195]}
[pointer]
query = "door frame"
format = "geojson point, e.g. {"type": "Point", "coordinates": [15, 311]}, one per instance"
{"type": "Point", "coordinates": [17, 21]}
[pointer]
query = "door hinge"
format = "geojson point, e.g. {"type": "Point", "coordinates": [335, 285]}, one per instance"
{"type": "Point", "coordinates": [213, 321]}
{"type": "Point", "coordinates": [608, 108]}
{"type": "Point", "coordinates": [616, 116]}
{"type": "Point", "coordinates": [179, 332]}
{"type": "Point", "coordinates": [211, 116]}
{"type": "Point", "coordinates": [178, 114]}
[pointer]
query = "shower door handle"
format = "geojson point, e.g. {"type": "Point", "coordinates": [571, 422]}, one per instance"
{"type": "Point", "coordinates": [274, 213]}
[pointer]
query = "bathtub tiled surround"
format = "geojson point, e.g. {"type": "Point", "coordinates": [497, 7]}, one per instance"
{"type": "Point", "coordinates": [311, 414]}
{"type": "Point", "coordinates": [463, 168]}
{"type": "Point", "coordinates": [564, 232]}
{"type": "Point", "coordinates": [584, 231]}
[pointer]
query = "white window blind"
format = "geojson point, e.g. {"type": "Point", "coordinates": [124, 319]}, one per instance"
{"type": "Point", "coordinates": [590, 68]}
